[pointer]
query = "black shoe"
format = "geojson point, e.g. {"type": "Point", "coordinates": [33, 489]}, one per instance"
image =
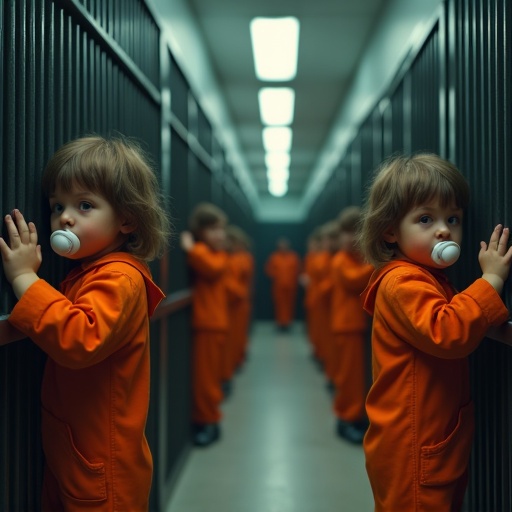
{"type": "Point", "coordinates": [351, 432]}
{"type": "Point", "coordinates": [206, 434]}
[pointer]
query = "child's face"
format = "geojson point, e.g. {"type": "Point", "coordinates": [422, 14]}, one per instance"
{"type": "Point", "coordinates": [215, 236]}
{"type": "Point", "coordinates": [91, 218]}
{"type": "Point", "coordinates": [423, 227]}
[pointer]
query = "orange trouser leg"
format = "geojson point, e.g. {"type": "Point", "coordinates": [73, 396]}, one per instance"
{"type": "Point", "coordinates": [226, 357]}
{"type": "Point", "coordinates": [229, 349]}
{"type": "Point", "coordinates": [350, 377]}
{"type": "Point", "coordinates": [284, 302]}
{"type": "Point", "coordinates": [322, 319]}
{"type": "Point", "coordinates": [207, 375]}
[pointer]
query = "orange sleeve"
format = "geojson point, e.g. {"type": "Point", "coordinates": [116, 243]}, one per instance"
{"type": "Point", "coordinates": [421, 314]}
{"type": "Point", "coordinates": [86, 331]}
{"type": "Point", "coordinates": [325, 283]}
{"type": "Point", "coordinates": [207, 263]}
{"type": "Point", "coordinates": [353, 275]}
{"type": "Point", "coordinates": [234, 278]}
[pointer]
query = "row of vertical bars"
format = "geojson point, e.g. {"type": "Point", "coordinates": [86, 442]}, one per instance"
{"type": "Point", "coordinates": [76, 67]}
{"type": "Point", "coordinates": [58, 82]}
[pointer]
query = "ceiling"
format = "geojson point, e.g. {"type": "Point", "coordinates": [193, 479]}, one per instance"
{"type": "Point", "coordinates": [333, 36]}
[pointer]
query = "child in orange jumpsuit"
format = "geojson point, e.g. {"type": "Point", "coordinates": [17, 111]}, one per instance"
{"type": "Point", "coordinates": [248, 279]}
{"type": "Point", "coordinates": [418, 443]}
{"type": "Point", "coordinates": [242, 264]}
{"type": "Point", "coordinates": [204, 245]}
{"type": "Point", "coordinates": [307, 281]}
{"type": "Point", "coordinates": [349, 324]}
{"type": "Point", "coordinates": [330, 242]}
{"type": "Point", "coordinates": [106, 216]}
{"type": "Point", "coordinates": [238, 296]}
{"type": "Point", "coordinates": [318, 296]}
{"type": "Point", "coordinates": [283, 268]}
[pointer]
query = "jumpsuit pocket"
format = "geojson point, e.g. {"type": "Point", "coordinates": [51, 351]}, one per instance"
{"type": "Point", "coordinates": [78, 478]}
{"type": "Point", "coordinates": [445, 462]}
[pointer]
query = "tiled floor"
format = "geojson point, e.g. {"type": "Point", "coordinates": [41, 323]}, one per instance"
{"type": "Point", "coordinates": [278, 452]}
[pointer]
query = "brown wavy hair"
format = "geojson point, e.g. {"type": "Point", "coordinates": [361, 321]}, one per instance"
{"type": "Point", "coordinates": [118, 170]}
{"type": "Point", "coordinates": [400, 184]}
{"type": "Point", "coordinates": [203, 216]}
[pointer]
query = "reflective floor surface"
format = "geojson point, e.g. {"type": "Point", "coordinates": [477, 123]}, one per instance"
{"type": "Point", "coordinates": [278, 451]}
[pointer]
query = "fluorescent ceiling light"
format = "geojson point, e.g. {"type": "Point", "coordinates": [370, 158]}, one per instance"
{"type": "Point", "coordinates": [278, 174]}
{"type": "Point", "coordinates": [278, 188]}
{"type": "Point", "coordinates": [277, 138]}
{"type": "Point", "coordinates": [277, 159]}
{"type": "Point", "coordinates": [275, 43]}
{"type": "Point", "coordinates": [276, 105]}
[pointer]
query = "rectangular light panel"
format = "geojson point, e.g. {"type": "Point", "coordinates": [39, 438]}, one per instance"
{"type": "Point", "coordinates": [276, 105]}
{"type": "Point", "coordinates": [275, 44]}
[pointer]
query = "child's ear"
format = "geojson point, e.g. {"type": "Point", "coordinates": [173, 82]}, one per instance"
{"type": "Point", "coordinates": [390, 236]}
{"type": "Point", "coordinates": [128, 226]}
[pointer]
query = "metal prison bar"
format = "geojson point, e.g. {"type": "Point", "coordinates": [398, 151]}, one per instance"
{"type": "Point", "coordinates": [70, 66]}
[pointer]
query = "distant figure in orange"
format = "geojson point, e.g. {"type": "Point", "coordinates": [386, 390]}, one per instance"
{"type": "Point", "coordinates": [283, 268]}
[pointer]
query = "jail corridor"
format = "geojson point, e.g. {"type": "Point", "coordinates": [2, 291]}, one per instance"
{"type": "Point", "coordinates": [279, 451]}
{"type": "Point", "coordinates": [374, 79]}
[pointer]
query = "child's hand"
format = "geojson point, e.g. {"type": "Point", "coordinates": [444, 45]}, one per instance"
{"type": "Point", "coordinates": [186, 241]}
{"type": "Point", "coordinates": [495, 258]}
{"type": "Point", "coordinates": [23, 258]}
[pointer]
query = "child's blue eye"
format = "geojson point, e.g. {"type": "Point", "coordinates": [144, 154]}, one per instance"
{"type": "Point", "coordinates": [57, 208]}
{"type": "Point", "coordinates": [454, 220]}
{"type": "Point", "coordinates": [424, 219]}
{"type": "Point", "coordinates": [85, 206]}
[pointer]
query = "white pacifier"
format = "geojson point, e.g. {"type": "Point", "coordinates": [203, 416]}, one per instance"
{"type": "Point", "coordinates": [64, 242]}
{"type": "Point", "coordinates": [445, 253]}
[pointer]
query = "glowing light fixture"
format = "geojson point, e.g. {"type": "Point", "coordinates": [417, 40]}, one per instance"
{"type": "Point", "coordinates": [277, 174]}
{"type": "Point", "coordinates": [275, 43]}
{"type": "Point", "coordinates": [278, 188]}
{"type": "Point", "coordinates": [277, 138]}
{"type": "Point", "coordinates": [277, 159]}
{"type": "Point", "coordinates": [276, 105]}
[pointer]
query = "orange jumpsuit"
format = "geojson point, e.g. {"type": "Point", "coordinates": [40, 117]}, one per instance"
{"type": "Point", "coordinates": [421, 415]}
{"type": "Point", "coordinates": [246, 261]}
{"type": "Point", "coordinates": [308, 295]}
{"type": "Point", "coordinates": [319, 304]}
{"type": "Point", "coordinates": [210, 325]}
{"type": "Point", "coordinates": [237, 298]}
{"type": "Point", "coordinates": [95, 391]}
{"type": "Point", "coordinates": [349, 323]}
{"type": "Point", "coordinates": [283, 268]}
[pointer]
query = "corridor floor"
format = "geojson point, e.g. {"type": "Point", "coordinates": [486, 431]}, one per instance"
{"type": "Point", "coordinates": [278, 451]}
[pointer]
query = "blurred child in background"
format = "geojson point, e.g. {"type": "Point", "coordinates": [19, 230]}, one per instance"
{"type": "Point", "coordinates": [349, 324]}
{"type": "Point", "coordinates": [206, 255]}
{"type": "Point", "coordinates": [239, 244]}
{"type": "Point", "coordinates": [283, 268]}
